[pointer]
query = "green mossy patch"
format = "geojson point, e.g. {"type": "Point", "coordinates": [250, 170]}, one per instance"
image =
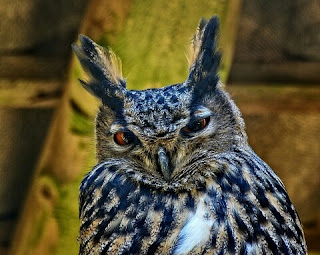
{"type": "Point", "coordinates": [81, 124]}
{"type": "Point", "coordinates": [38, 230]}
{"type": "Point", "coordinates": [154, 42]}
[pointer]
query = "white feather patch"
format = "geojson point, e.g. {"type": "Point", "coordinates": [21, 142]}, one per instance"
{"type": "Point", "coordinates": [196, 231]}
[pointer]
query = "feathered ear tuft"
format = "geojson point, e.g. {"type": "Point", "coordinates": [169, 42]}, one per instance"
{"type": "Point", "coordinates": [104, 70]}
{"type": "Point", "coordinates": [205, 61]}
{"type": "Point", "coordinates": [196, 42]}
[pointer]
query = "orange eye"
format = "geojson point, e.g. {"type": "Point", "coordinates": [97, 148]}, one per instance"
{"type": "Point", "coordinates": [124, 138]}
{"type": "Point", "coordinates": [196, 126]}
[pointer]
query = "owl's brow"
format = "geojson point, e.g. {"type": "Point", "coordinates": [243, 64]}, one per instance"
{"type": "Point", "coordinates": [115, 127]}
{"type": "Point", "coordinates": [202, 112]}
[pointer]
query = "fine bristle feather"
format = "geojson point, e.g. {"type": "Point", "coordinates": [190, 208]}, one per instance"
{"type": "Point", "coordinates": [88, 64]}
{"type": "Point", "coordinates": [196, 43]}
{"type": "Point", "coordinates": [104, 58]}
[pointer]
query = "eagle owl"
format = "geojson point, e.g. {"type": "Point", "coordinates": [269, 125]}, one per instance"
{"type": "Point", "coordinates": [176, 174]}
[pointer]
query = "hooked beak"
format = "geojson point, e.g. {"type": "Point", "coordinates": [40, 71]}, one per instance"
{"type": "Point", "coordinates": [163, 161]}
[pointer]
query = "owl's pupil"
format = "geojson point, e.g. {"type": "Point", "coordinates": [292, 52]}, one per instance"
{"type": "Point", "coordinates": [124, 138]}
{"type": "Point", "coordinates": [196, 125]}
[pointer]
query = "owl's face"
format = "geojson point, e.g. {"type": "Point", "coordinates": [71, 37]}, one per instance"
{"type": "Point", "coordinates": [165, 133]}
{"type": "Point", "coordinates": [162, 131]}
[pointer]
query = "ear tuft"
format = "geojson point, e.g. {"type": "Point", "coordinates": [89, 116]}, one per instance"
{"type": "Point", "coordinates": [203, 75]}
{"type": "Point", "coordinates": [196, 43]}
{"type": "Point", "coordinates": [102, 65]}
{"type": "Point", "coordinates": [104, 70]}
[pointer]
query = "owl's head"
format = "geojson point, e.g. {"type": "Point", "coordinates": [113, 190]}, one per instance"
{"type": "Point", "coordinates": [164, 136]}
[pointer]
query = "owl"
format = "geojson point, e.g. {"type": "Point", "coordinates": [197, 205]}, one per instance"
{"type": "Point", "coordinates": [175, 172]}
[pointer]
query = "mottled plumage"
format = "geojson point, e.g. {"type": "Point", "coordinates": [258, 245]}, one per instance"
{"type": "Point", "coordinates": [176, 174]}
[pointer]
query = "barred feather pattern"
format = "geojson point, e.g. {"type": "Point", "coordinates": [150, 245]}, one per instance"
{"type": "Point", "coordinates": [237, 200]}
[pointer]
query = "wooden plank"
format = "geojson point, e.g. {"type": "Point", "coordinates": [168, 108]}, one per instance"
{"type": "Point", "coordinates": [25, 130]}
{"type": "Point", "coordinates": [156, 39]}
{"type": "Point", "coordinates": [262, 98]}
{"type": "Point", "coordinates": [20, 93]}
{"type": "Point", "coordinates": [29, 67]}
{"type": "Point", "coordinates": [286, 72]}
{"type": "Point", "coordinates": [57, 172]}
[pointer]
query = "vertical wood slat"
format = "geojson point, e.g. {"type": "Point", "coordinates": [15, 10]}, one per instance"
{"type": "Point", "coordinates": [229, 35]}
{"type": "Point", "coordinates": [27, 94]}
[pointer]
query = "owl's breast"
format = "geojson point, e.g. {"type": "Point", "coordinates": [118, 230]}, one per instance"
{"type": "Point", "coordinates": [196, 230]}
{"type": "Point", "coordinates": [242, 208]}
{"type": "Point", "coordinates": [120, 216]}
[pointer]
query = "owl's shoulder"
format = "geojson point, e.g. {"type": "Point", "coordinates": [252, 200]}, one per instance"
{"type": "Point", "coordinates": [257, 205]}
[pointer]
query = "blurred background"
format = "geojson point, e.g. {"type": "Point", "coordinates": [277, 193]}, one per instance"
{"type": "Point", "coordinates": [271, 66]}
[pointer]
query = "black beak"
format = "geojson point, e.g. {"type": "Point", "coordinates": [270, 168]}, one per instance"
{"type": "Point", "coordinates": [163, 161]}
